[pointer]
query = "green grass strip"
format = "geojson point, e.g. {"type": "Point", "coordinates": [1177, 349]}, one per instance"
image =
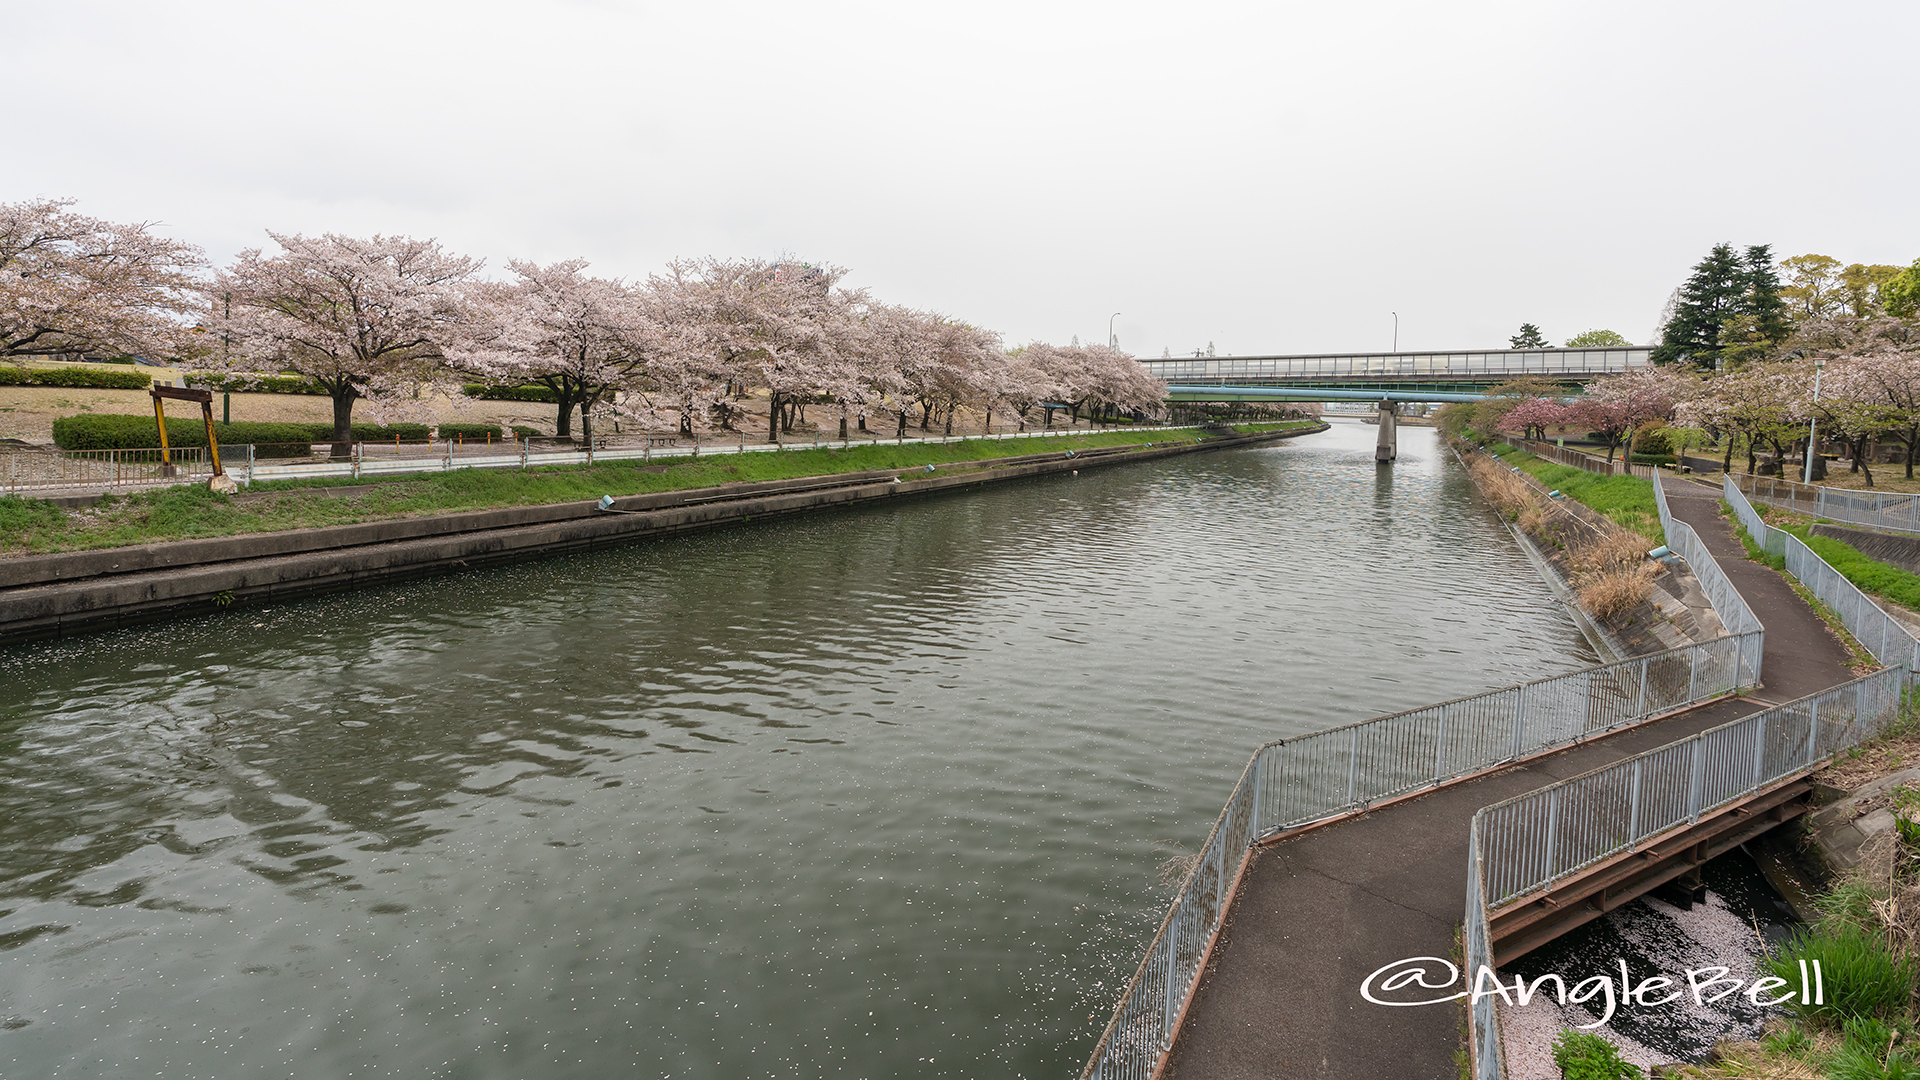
{"type": "Point", "coordinates": [1625, 500]}
{"type": "Point", "coordinates": [30, 526]}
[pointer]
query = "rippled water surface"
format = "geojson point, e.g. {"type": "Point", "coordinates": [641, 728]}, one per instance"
{"type": "Point", "coordinates": [876, 793]}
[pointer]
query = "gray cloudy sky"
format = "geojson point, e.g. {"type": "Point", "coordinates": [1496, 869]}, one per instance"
{"type": "Point", "coordinates": [1270, 177]}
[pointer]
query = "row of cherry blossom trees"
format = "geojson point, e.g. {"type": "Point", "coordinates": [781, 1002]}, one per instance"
{"type": "Point", "coordinates": [371, 318]}
{"type": "Point", "coordinates": [379, 319]}
{"type": "Point", "coordinates": [1868, 374]}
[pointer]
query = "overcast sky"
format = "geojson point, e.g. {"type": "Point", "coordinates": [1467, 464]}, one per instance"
{"type": "Point", "coordinates": [1272, 177]}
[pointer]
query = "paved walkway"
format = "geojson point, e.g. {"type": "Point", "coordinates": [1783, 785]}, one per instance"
{"type": "Point", "coordinates": [1315, 915]}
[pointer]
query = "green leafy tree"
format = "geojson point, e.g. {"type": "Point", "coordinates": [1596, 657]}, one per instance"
{"type": "Point", "coordinates": [1901, 295]}
{"type": "Point", "coordinates": [1864, 288]}
{"type": "Point", "coordinates": [1597, 339]}
{"type": "Point", "coordinates": [1813, 285]}
{"type": "Point", "coordinates": [1529, 337]}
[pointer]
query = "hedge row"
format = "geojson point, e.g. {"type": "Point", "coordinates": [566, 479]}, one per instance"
{"type": "Point", "coordinates": [488, 392]}
{"type": "Point", "coordinates": [116, 432]}
{"type": "Point", "coordinates": [258, 384]}
{"type": "Point", "coordinates": [75, 376]}
{"type": "Point", "coordinates": [469, 431]}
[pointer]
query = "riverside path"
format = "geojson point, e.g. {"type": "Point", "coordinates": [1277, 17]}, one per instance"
{"type": "Point", "coordinates": [1316, 914]}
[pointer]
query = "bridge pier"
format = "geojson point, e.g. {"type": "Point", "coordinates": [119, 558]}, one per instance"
{"type": "Point", "coordinates": [1389, 446]}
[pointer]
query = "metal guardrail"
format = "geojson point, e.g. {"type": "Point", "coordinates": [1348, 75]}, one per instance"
{"type": "Point", "coordinates": [26, 470]}
{"type": "Point", "coordinates": [1889, 642]}
{"type": "Point", "coordinates": [1528, 842]}
{"type": "Point", "coordinates": [1727, 602]}
{"type": "Point", "coordinates": [1580, 459]}
{"type": "Point", "coordinates": [1476, 365]}
{"type": "Point", "coordinates": [1295, 782]}
{"type": "Point", "coordinates": [1875, 509]}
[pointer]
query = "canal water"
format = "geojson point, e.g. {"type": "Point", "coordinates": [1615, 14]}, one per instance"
{"type": "Point", "coordinates": [876, 793]}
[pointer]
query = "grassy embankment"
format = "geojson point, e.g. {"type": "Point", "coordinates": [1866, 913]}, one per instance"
{"type": "Point", "coordinates": [30, 526]}
{"type": "Point", "coordinates": [1627, 501]}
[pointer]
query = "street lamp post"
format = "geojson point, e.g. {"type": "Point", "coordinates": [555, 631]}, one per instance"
{"type": "Point", "coordinates": [1111, 342]}
{"type": "Point", "coordinates": [1396, 331]}
{"type": "Point", "coordinates": [1813, 423]}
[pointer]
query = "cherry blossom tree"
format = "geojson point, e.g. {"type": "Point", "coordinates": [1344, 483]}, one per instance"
{"type": "Point", "coordinates": [1614, 407]}
{"type": "Point", "coordinates": [1533, 417]}
{"type": "Point", "coordinates": [584, 338]}
{"type": "Point", "coordinates": [362, 317]}
{"type": "Point", "coordinates": [70, 283]}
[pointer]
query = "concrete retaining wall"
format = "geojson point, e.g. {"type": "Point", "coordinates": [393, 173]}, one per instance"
{"type": "Point", "coordinates": [54, 595]}
{"type": "Point", "coordinates": [1900, 551]}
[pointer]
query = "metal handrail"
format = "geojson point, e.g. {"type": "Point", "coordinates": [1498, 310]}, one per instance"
{"type": "Point", "coordinates": [1886, 638]}
{"type": "Point", "coordinates": [1291, 783]}
{"type": "Point", "coordinates": [1553, 832]}
{"type": "Point", "coordinates": [1874, 509]}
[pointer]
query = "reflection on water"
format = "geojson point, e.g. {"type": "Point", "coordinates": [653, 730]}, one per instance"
{"type": "Point", "coordinates": [873, 793]}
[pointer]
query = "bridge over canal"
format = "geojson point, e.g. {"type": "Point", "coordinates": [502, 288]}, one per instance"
{"type": "Point", "coordinates": [1387, 378]}
{"type": "Point", "coordinates": [1344, 851]}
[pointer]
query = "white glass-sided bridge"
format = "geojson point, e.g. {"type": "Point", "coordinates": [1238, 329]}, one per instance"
{"type": "Point", "coordinates": [1401, 376]}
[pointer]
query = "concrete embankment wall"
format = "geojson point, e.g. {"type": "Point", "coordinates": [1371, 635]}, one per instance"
{"type": "Point", "coordinates": [1900, 551]}
{"type": "Point", "coordinates": [53, 595]}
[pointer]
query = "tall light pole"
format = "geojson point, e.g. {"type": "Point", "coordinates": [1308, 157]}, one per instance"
{"type": "Point", "coordinates": [1111, 342]}
{"type": "Point", "coordinates": [1813, 424]}
{"type": "Point", "coordinates": [1396, 331]}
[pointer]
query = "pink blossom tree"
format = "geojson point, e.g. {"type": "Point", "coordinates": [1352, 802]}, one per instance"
{"type": "Point", "coordinates": [365, 318]}
{"type": "Point", "coordinates": [1533, 417]}
{"type": "Point", "coordinates": [1614, 407]}
{"type": "Point", "coordinates": [584, 338]}
{"type": "Point", "coordinates": [70, 283]}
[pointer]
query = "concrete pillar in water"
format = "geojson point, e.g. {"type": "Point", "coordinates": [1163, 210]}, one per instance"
{"type": "Point", "coordinates": [1389, 445]}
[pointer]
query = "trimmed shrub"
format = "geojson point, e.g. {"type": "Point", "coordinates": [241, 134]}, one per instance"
{"type": "Point", "coordinates": [257, 384]}
{"type": "Point", "coordinates": [525, 432]}
{"type": "Point", "coordinates": [377, 432]}
{"type": "Point", "coordinates": [76, 377]}
{"type": "Point", "coordinates": [1652, 459]}
{"type": "Point", "coordinates": [487, 392]}
{"type": "Point", "coordinates": [113, 432]}
{"type": "Point", "coordinates": [95, 431]}
{"type": "Point", "coordinates": [469, 431]}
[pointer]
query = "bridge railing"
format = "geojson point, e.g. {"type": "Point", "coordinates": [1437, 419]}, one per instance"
{"type": "Point", "coordinates": [1292, 783]}
{"type": "Point", "coordinates": [1874, 509]}
{"type": "Point", "coordinates": [1879, 633]}
{"type": "Point", "coordinates": [1375, 366]}
{"type": "Point", "coordinates": [1528, 842]}
{"type": "Point", "coordinates": [1728, 604]}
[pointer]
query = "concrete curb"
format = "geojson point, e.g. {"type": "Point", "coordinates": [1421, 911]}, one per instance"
{"type": "Point", "coordinates": [56, 595]}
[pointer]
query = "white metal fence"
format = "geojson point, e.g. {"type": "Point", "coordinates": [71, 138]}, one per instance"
{"type": "Point", "coordinates": [22, 470]}
{"type": "Point", "coordinates": [1874, 509]}
{"type": "Point", "coordinates": [1528, 842]}
{"type": "Point", "coordinates": [1295, 782]}
{"type": "Point", "coordinates": [1880, 634]}
{"type": "Point", "coordinates": [29, 469]}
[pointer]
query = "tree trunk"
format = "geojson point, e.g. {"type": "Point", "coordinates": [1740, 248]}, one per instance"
{"type": "Point", "coordinates": [863, 421]}
{"type": "Point", "coordinates": [949, 422]}
{"type": "Point", "coordinates": [843, 425]}
{"type": "Point", "coordinates": [343, 420]}
{"type": "Point", "coordinates": [903, 425]}
{"type": "Point", "coordinates": [773, 416]}
{"type": "Point", "coordinates": [563, 422]}
{"type": "Point", "coordinates": [987, 428]}
{"type": "Point", "coordinates": [1727, 465]}
{"type": "Point", "coordinates": [926, 416]}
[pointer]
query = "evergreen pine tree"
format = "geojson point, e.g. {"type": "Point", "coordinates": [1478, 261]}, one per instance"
{"type": "Point", "coordinates": [1715, 292]}
{"type": "Point", "coordinates": [1529, 337]}
{"type": "Point", "coordinates": [1763, 301]}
